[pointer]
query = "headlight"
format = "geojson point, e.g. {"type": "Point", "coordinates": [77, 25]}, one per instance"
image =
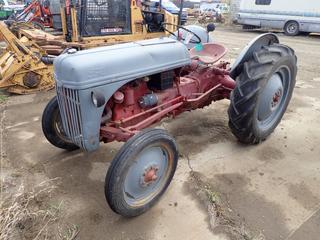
{"type": "Point", "coordinates": [98, 99]}
{"type": "Point", "coordinates": [94, 100]}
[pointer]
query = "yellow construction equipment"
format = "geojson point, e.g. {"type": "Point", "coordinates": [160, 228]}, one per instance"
{"type": "Point", "coordinates": [90, 24]}
{"type": "Point", "coordinates": [21, 69]}
{"type": "Point", "coordinates": [85, 24]}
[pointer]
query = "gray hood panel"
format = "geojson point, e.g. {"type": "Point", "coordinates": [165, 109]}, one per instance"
{"type": "Point", "coordinates": [122, 62]}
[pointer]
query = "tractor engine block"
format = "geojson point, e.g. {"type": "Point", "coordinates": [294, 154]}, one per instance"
{"type": "Point", "coordinates": [146, 93]}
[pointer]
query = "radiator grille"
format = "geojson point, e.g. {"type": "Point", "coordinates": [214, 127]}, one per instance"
{"type": "Point", "coordinates": [70, 111]}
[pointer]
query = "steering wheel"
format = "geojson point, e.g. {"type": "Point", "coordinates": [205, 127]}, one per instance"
{"type": "Point", "coordinates": [179, 38]}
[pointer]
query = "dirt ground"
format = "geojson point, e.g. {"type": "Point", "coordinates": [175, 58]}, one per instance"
{"type": "Point", "coordinates": [221, 190]}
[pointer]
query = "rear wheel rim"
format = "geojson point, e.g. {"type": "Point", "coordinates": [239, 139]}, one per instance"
{"type": "Point", "coordinates": [148, 175]}
{"type": "Point", "coordinates": [273, 99]}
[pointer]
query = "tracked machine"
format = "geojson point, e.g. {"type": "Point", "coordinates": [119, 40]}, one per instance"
{"type": "Point", "coordinates": [117, 93]}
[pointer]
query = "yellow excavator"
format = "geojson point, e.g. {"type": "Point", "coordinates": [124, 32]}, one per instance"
{"type": "Point", "coordinates": [26, 62]}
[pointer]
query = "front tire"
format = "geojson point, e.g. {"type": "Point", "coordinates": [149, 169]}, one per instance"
{"type": "Point", "coordinates": [292, 28]}
{"type": "Point", "coordinates": [141, 172]}
{"type": "Point", "coordinates": [52, 127]}
{"type": "Point", "coordinates": [262, 93]}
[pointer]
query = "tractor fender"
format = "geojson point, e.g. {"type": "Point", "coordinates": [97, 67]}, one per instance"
{"type": "Point", "coordinates": [256, 44]}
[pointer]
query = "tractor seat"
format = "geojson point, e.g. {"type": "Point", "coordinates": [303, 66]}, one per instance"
{"type": "Point", "coordinates": [210, 54]}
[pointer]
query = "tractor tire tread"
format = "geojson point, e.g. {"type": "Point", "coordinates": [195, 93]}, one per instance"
{"type": "Point", "coordinates": [248, 86]}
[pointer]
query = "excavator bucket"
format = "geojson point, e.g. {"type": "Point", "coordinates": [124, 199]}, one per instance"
{"type": "Point", "coordinates": [22, 70]}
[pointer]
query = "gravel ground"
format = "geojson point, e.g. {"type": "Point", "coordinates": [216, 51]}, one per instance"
{"type": "Point", "coordinates": [222, 190]}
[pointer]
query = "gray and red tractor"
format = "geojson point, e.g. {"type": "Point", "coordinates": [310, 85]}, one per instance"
{"type": "Point", "coordinates": [117, 93]}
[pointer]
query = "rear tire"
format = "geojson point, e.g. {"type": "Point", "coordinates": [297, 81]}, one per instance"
{"type": "Point", "coordinates": [292, 28]}
{"type": "Point", "coordinates": [53, 129]}
{"type": "Point", "coordinates": [262, 93]}
{"type": "Point", "coordinates": [141, 172]}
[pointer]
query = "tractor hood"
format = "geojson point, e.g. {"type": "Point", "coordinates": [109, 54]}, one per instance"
{"type": "Point", "coordinates": [122, 62]}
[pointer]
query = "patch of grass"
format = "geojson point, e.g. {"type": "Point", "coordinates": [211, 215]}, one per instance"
{"type": "Point", "coordinates": [3, 98]}
{"type": "Point", "coordinates": [213, 196]}
{"type": "Point", "coordinates": [219, 212]}
{"type": "Point", "coordinates": [25, 214]}
{"type": "Point", "coordinates": [68, 233]}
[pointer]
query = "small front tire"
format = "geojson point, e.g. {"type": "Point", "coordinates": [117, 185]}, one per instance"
{"type": "Point", "coordinates": [52, 127]}
{"type": "Point", "coordinates": [141, 172]}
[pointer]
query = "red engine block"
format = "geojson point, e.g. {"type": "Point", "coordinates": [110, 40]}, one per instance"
{"type": "Point", "coordinates": [194, 87]}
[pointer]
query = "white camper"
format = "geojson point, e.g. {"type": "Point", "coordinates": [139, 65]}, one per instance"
{"type": "Point", "coordinates": [292, 16]}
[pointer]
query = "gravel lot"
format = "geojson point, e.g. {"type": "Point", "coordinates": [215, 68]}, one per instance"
{"type": "Point", "coordinates": [222, 190]}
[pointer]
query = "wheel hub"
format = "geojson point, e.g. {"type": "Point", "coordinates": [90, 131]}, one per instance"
{"type": "Point", "coordinates": [146, 175]}
{"type": "Point", "coordinates": [31, 80]}
{"type": "Point", "coordinates": [271, 97]}
{"type": "Point", "coordinates": [276, 99]}
{"type": "Point", "coordinates": [292, 28]}
{"type": "Point", "coordinates": [149, 176]}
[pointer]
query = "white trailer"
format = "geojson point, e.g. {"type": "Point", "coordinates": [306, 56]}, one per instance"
{"type": "Point", "coordinates": [292, 16]}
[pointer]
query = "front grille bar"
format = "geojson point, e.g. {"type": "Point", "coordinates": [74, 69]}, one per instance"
{"type": "Point", "coordinates": [69, 105]}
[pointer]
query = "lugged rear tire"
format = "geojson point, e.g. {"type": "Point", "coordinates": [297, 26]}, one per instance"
{"type": "Point", "coordinates": [251, 118]}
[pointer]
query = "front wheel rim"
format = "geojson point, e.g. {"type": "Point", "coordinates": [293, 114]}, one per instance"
{"type": "Point", "coordinates": [148, 175]}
